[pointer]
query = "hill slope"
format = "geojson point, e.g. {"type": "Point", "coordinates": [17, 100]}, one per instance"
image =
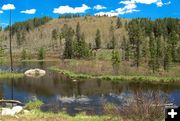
{"type": "Point", "coordinates": [42, 36]}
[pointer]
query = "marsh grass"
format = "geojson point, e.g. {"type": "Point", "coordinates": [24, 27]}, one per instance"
{"type": "Point", "coordinates": [148, 106]}
{"type": "Point", "coordinates": [10, 75]}
{"type": "Point", "coordinates": [144, 106]}
{"type": "Point", "coordinates": [117, 78]}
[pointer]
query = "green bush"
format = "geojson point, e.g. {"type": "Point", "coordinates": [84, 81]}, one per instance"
{"type": "Point", "coordinates": [24, 54]}
{"type": "Point", "coordinates": [34, 105]}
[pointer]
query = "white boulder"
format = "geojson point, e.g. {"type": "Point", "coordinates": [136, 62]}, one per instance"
{"type": "Point", "coordinates": [35, 72]}
{"type": "Point", "coordinates": [7, 112]}
{"type": "Point", "coordinates": [17, 109]}
{"type": "Point", "coordinates": [11, 112]}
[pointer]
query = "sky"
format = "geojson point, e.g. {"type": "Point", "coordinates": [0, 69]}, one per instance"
{"type": "Point", "coordinates": [27, 9]}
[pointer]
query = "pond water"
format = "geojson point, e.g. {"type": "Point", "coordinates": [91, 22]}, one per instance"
{"type": "Point", "coordinates": [59, 92]}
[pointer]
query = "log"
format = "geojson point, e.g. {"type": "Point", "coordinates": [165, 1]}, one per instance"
{"type": "Point", "coordinates": [11, 101]}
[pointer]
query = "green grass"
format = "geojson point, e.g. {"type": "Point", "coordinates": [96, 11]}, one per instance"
{"type": "Point", "coordinates": [35, 60]}
{"type": "Point", "coordinates": [117, 78]}
{"type": "Point", "coordinates": [104, 54]}
{"type": "Point", "coordinates": [10, 75]}
{"type": "Point", "coordinates": [35, 114]}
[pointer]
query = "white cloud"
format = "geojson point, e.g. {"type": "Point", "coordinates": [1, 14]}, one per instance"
{"type": "Point", "coordinates": [68, 9]}
{"type": "Point", "coordinates": [139, 1]}
{"type": "Point", "coordinates": [159, 3]}
{"type": "Point", "coordinates": [145, 1]}
{"type": "Point", "coordinates": [99, 7]}
{"type": "Point", "coordinates": [1, 11]}
{"type": "Point", "coordinates": [168, 3]}
{"type": "Point", "coordinates": [31, 11]}
{"type": "Point", "coordinates": [8, 7]}
{"type": "Point", "coordinates": [126, 2]}
{"type": "Point", "coordinates": [128, 8]}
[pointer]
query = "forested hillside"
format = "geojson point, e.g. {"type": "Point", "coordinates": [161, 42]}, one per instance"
{"type": "Point", "coordinates": [153, 42]}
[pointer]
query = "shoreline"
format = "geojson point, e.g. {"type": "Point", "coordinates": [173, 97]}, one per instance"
{"type": "Point", "coordinates": [116, 78]}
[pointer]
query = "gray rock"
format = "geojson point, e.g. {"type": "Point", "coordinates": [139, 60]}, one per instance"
{"type": "Point", "coordinates": [35, 73]}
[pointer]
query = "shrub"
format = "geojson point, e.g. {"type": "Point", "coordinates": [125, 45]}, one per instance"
{"type": "Point", "coordinates": [23, 54]}
{"type": "Point", "coordinates": [34, 105]}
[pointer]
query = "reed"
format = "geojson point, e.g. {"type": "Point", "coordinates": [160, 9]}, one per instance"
{"type": "Point", "coordinates": [10, 75]}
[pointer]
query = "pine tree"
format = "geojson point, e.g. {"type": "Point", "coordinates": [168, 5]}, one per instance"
{"type": "Point", "coordinates": [64, 30]}
{"type": "Point", "coordinates": [54, 38]}
{"type": "Point", "coordinates": [84, 47]}
{"type": "Point", "coordinates": [115, 61]}
{"type": "Point", "coordinates": [135, 36]}
{"type": "Point", "coordinates": [18, 38]}
{"type": "Point", "coordinates": [24, 54]}
{"type": "Point", "coordinates": [23, 37]}
{"type": "Point", "coordinates": [68, 51]}
{"type": "Point", "coordinates": [157, 30]}
{"type": "Point", "coordinates": [41, 53]}
{"type": "Point", "coordinates": [80, 48]}
{"type": "Point", "coordinates": [152, 63]}
{"type": "Point", "coordinates": [167, 58]}
{"type": "Point", "coordinates": [2, 53]}
{"type": "Point", "coordinates": [144, 49]}
{"type": "Point", "coordinates": [119, 23]}
{"type": "Point", "coordinates": [54, 34]}
{"type": "Point", "coordinates": [125, 49]}
{"type": "Point", "coordinates": [78, 32]}
{"type": "Point", "coordinates": [167, 53]}
{"type": "Point", "coordinates": [112, 43]}
{"type": "Point", "coordinates": [98, 39]}
{"type": "Point", "coordinates": [158, 52]}
{"type": "Point", "coordinates": [173, 43]}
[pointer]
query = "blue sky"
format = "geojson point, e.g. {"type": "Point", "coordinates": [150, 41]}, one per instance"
{"type": "Point", "coordinates": [26, 9]}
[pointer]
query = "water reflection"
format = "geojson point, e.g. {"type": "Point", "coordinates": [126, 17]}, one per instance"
{"type": "Point", "coordinates": [61, 93]}
{"type": "Point", "coordinates": [54, 84]}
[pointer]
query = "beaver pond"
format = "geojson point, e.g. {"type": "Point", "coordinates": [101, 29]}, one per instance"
{"type": "Point", "coordinates": [61, 93]}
